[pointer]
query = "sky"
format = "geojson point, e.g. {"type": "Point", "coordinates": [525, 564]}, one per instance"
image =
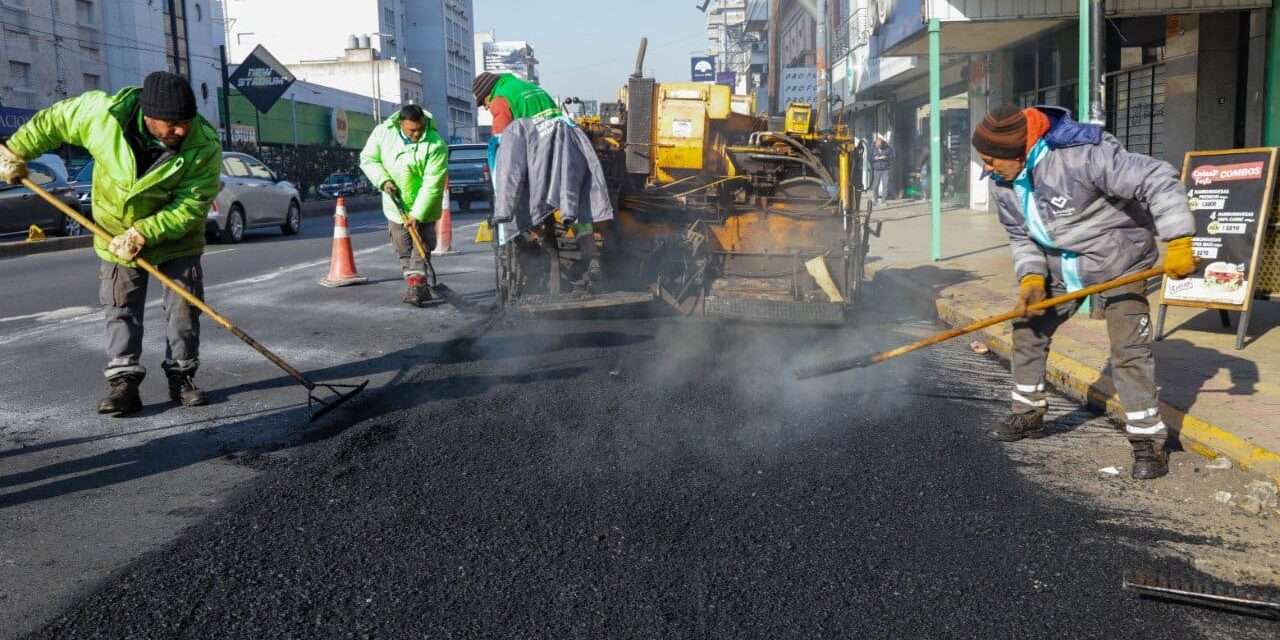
{"type": "Point", "coordinates": [586, 49]}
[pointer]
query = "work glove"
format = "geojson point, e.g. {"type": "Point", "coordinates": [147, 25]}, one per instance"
{"type": "Point", "coordinates": [1179, 260]}
{"type": "Point", "coordinates": [390, 188]}
{"type": "Point", "coordinates": [127, 245]}
{"type": "Point", "coordinates": [12, 167]}
{"type": "Point", "coordinates": [1030, 291]}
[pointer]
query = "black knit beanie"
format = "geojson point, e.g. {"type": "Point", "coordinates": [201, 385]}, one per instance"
{"type": "Point", "coordinates": [1003, 133]}
{"type": "Point", "coordinates": [483, 86]}
{"type": "Point", "coordinates": [168, 96]}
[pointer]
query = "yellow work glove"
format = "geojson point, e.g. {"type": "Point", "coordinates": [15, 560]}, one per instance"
{"type": "Point", "coordinates": [1030, 291]}
{"type": "Point", "coordinates": [1179, 260]}
{"type": "Point", "coordinates": [12, 167]}
{"type": "Point", "coordinates": [127, 245]}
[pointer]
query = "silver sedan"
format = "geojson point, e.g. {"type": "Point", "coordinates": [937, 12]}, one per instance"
{"type": "Point", "coordinates": [252, 197]}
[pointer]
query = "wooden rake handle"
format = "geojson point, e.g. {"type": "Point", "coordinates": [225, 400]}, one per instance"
{"type": "Point", "coordinates": [870, 359]}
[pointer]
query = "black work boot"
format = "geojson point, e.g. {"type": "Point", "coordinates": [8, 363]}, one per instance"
{"type": "Point", "coordinates": [122, 396]}
{"type": "Point", "coordinates": [418, 293]}
{"type": "Point", "coordinates": [183, 389]}
{"type": "Point", "coordinates": [1018, 426]}
{"type": "Point", "coordinates": [1149, 461]}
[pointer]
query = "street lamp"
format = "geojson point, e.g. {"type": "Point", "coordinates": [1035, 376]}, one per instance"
{"type": "Point", "coordinates": [377, 76]}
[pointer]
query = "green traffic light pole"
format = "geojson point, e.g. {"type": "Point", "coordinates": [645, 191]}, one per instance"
{"type": "Point", "coordinates": [935, 135]}
{"type": "Point", "coordinates": [1271, 109]}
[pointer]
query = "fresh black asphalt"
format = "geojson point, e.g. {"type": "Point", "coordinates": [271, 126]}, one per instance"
{"type": "Point", "coordinates": [643, 476]}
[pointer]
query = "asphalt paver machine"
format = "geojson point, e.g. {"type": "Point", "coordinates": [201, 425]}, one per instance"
{"type": "Point", "coordinates": [719, 213]}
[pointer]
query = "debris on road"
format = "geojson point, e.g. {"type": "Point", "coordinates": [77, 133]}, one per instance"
{"type": "Point", "coordinates": [979, 347]}
{"type": "Point", "coordinates": [1223, 496]}
{"type": "Point", "coordinates": [1109, 471]}
{"type": "Point", "coordinates": [1263, 491]}
{"type": "Point", "coordinates": [1219, 463]}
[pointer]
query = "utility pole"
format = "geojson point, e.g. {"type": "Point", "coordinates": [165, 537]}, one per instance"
{"type": "Point", "coordinates": [824, 75]}
{"type": "Point", "coordinates": [60, 73]}
{"type": "Point", "coordinates": [1271, 106]}
{"type": "Point", "coordinates": [226, 97]}
{"type": "Point", "coordinates": [775, 56]}
{"type": "Point", "coordinates": [1092, 40]}
{"type": "Point", "coordinates": [935, 135]}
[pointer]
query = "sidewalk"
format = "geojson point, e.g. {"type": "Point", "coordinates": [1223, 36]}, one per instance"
{"type": "Point", "coordinates": [1221, 401]}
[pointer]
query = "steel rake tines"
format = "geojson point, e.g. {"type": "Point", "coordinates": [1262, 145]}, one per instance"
{"type": "Point", "coordinates": [329, 404]}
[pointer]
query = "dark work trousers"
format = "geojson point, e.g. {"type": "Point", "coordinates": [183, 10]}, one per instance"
{"type": "Point", "coordinates": [412, 264]}
{"type": "Point", "coordinates": [1133, 365]}
{"type": "Point", "coordinates": [879, 185]}
{"type": "Point", "coordinates": [122, 291]}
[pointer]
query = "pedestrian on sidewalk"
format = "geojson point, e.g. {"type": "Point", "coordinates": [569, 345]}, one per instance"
{"type": "Point", "coordinates": [409, 162]}
{"type": "Point", "coordinates": [881, 166]}
{"type": "Point", "coordinates": [157, 166]}
{"type": "Point", "coordinates": [1080, 210]}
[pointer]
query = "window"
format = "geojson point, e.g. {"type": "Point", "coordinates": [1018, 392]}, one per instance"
{"type": "Point", "coordinates": [388, 19]}
{"type": "Point", "coordinates": [258, 170]}
{"type": "Point", "coordinates": [235, 167]}
{"type": "Point", "coordinates": [20, 75]}
{"type": "Point", "coordinates": [468, 154]}
{"type": "Point", "coordinates": [175, 37]}
{"type": "Point", "coordinates": [84, 13]}
{"type": "Point", "coordinates": [39, 173]}
{"type": "Point", "coordinates": [92, 82]}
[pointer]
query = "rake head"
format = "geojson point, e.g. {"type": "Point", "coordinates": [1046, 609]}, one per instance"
{"type": "Point", "coordinates": [339, 393]}
{"type": "Point", "coordinates": [1163, 587]}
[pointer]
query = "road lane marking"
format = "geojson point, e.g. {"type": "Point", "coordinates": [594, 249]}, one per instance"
{"type": "Point", "coordinates": [65, 313]}
{"type": "Point", "coordinates": [214, 253]}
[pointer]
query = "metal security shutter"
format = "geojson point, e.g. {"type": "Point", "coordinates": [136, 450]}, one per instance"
{"type": "Point", "coordinates": [1135, 108]}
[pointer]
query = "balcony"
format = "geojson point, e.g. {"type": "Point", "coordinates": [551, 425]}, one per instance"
{"type": "Point", "coordinates": [854, 33]}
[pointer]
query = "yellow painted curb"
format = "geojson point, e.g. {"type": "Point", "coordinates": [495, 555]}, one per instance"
{"type": "Point", "coordinates": [1085, 384]}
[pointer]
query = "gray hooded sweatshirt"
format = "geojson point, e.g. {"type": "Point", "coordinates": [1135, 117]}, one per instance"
{"type": "Point", "coordinates": [1085, 211]}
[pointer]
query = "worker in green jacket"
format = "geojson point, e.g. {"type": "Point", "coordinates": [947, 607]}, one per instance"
{"type": "Point", "coordinates": [509, 98]}
{"type": "Point", "coordinates": [409, 162]}
{"type": "Point", "coordinates": [156, 170]}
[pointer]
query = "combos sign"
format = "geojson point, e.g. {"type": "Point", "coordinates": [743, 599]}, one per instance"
{"type": "Point", "coordinates": [261, 79]}
{"type": "Point", "coordinates": [1211, 173]}
{"type": "Point", "coordinates": [1229, 193]}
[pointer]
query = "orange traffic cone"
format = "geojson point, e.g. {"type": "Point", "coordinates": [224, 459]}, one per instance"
{"type": "Point", "coordinates": [342, 261]}
{"type": "Point", "coordinates": [444, 227]}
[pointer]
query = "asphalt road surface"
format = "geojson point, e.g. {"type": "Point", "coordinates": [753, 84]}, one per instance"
{"type": "Point", "coordinates": [82, 495]}
{"type": "Point", "coordinates": [634, 475]}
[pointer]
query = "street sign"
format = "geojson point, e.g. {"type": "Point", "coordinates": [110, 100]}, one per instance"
{"type": "Point", "coordinates": [702, 68]}
{"type": "Point", "coordinates": [261, 79]}
{"type": "Point", "coordinates": [728, 78]}
{"type": "Point", "coordinates": [12, 118]}
{"type": "Point", "coordinates": [1230, 194]}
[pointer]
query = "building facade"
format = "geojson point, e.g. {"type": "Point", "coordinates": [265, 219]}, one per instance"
{"type": "Point", "coordinates": [431, 36]}
{"type": "Point", "coordinates": [501, 56]}
{"type": "Point", "coordinates": [62, 48]}
{"type": "Point", "coordinates": [361, 72]}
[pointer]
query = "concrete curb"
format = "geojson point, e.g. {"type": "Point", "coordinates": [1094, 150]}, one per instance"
{"type": "Point", "coordinates": [1086, 384]}
{"type": "Point", "coordinates": [23, 248]}
{"type": "Point", "coordinates": [310, 209]}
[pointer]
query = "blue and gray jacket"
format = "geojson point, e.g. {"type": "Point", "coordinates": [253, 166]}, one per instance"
{"type": "Point", "coordinates": [1084, 210]}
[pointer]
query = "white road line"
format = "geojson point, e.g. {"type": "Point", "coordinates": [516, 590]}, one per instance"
{"type": "Point", "coordinates": [214, 253]}
{"type": "Point", "coordinates": [90, 314]}
{"type": "Point", "coordinates": [64, 313]}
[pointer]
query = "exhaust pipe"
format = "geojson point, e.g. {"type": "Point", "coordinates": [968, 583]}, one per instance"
{"type": "Point", "coordinates": [639, 72]}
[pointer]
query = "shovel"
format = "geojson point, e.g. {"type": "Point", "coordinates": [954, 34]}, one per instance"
{"type": "Point", "coordinates": [837, 366]}
{"type": "Point", "coordinates": [443, 291]}
{"type": "Point", "coordinates": [340, 393]}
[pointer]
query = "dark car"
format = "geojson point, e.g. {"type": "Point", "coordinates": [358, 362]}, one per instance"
{"type": "Point", "coordinates": [338, 185]}
{"type": "Point", "coordinates": [20, 207]}
{"type": "Point", "coordinates": [83, 184]}
{"type": "Point", "coordinates": [469, 174]}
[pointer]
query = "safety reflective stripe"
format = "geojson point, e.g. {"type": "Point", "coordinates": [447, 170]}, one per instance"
{"type": "Point", "coordinates": [1144, 431]}
{"type": "Point", "coordinates": [1142, 415]}
{"type": "Point", "coordinates": [1018, 397]}
{"type": "Point", "coordinates": [1030, 388]}
{"type": "Point", "coordinates": [1025, 188]}
{"type": "Point", "coordinates": [341, 232]}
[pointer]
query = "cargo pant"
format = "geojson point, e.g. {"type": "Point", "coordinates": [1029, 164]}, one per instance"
{"type": "Point", "coordinates": [1133, 366]}
{"type": "Point", "coordinates": [122, 291]}
{"type": "Point", "coordinates": [411, 263]}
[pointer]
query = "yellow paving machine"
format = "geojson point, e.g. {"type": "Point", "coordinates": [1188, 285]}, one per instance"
{"type": "Point", "coordinates": [719, 212]}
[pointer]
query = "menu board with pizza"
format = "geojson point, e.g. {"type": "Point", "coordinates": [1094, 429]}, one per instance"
{"type": "Point", "coordinates": [1230, 197]}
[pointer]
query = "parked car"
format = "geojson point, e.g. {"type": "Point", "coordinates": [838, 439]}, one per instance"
{"type": "Point", "coordinates": [252, 197]}
{"type": "Point", "coordinates": [338, 185]}
{"type": "Point", "coordinates": [20, 207]}
{"type": "Point", "coordinates": [469, 174]}
{"type": "Point", "coordinates": [83, 184]}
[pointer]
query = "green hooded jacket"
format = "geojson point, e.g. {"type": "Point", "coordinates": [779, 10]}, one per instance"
{"type": "Point", "coordinates": [526, 99]}
{"type": "Point", "coordinates": [168, 205]}
{"type": "Point", "coordinates": [418, 169]}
